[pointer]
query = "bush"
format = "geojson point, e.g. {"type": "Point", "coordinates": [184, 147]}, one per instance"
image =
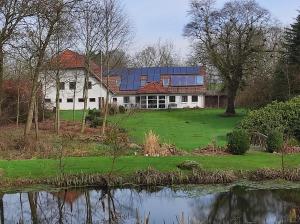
{"type": "Point", "coordinates": [122, 109]}
{"type": "Point", "coordinates": [274, 116]}
{"type": "Point", "coordinates": [189, 165]}
{"type": "Point", "coordinates": [296, 130]}
{"type": "Point", "coordinates": [151, 146]}
{"type": "Point", "coordinates": [93, 117]}
{"type": "Point", "coordinates": [238, 142]}
{"type": "Point", "coordinates": [275, 141]}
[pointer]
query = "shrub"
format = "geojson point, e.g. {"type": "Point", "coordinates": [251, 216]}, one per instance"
{"type": "Point", "coordinates": [277, 115]}
{"type": "Point", "coordinates": [274, 141]}
{"type": "Point", "coordinates": [296, 130]}
{"type": "Point", "coordinates": [189, 165]}
{"type": "Point", "coordinates": [122, 109]}
{"type": "Point", "coordinates": [151, 146]}
{"type": "Point", "coordinates": [238, 142]}
{"type": "Point", "coordinates": [94, 118]}
{"type": "Point", "coordinates": [113, 109]}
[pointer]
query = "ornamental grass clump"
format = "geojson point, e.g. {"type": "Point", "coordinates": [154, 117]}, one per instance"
{"type": "Point", "coordinates": [275, 141]}
{"type": "Point", "coordinates": [151, 145]}
{"type": "Point", "coordinates": [238, 142]}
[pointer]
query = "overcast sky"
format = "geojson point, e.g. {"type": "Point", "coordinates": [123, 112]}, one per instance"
{"type": "Point", "coordinates": [165, 19]}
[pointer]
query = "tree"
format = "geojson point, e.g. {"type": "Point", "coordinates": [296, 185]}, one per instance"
{"type": "Point", "coordinates": [90, 19]}
{"type": "Point", "coordinates": [12, 13]}
{"type": "Point", "coordinates": [159, 54]}
{"type": "Point", "coordinates": [228, 38]}
{"type": "Point", "coordinates": [292, 57]}
{"type": "Point", "coordinates": [40, 30]}
{"type": "Point", "coordinates": [116, 33]}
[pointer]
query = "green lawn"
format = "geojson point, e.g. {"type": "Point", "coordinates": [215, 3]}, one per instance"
{"type": "Point", "coordinates": [39, 168]}
{"type": "Point", "coordinates": [187, 129]}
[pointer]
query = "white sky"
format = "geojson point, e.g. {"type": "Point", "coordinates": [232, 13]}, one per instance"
{"type": "Point", "coordinates": [165, 19]}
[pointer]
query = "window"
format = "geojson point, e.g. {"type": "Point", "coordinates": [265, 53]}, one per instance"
{"type": "Point", "coordinates": [161, 102]}
{"type": "Point", "coordinates": [166, 82]}
{"type": "Point", "coordinates": [62, 86]}
{"type": "Point", "coordinates": [80, 100]}
{"type": "Point", "coordinates": [143, 82]}
{"type": "Point", "coordinates": [92, 100]}
{"type": "Point", "coordinates": [126, 99]}
{"type": "Point", "coordinates": [47, 100]}
{"type": "Point", "coordinates": [60, 100]}
{"type": "Point", "coordinates": [72, 85]}
{"type": "Point", "coordinates": [115, 99]}
{"type": "Point", "coordinates": [152, 102]}
{"type": "Point", "coordinates": [137, 99]}
{"type": "Point", "coordinates": [143, 101]}
{"type": "Point", "coordinates": [172, 99]}
{"type": "Point", "coordinates": [184, 99]}
{"type": "Point", "coordinates": [194, 99]}
{"type": "Point", "coordinates": [70, 100]}
{"type": "Point", "coordinates": [89, 85]}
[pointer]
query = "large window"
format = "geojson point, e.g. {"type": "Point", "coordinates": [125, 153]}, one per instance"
{"type": "Point", "coordinates": [162, 102]}
{"type": "Point", "coordinates": [152, 102]}
{"type": "Point", "coordinates": [194, 99]}
{"type": "Point", "coordinates": [184, 99]}
{"type": "Point", "coordinates": [72, 85]}
{"type": "Point", "coordinates": [92, 100]}
{"type": "Point", "coordinates": [70, 100]}
{"type": "Point", "coordinates": [137, 99]}
{"type": "Point", "coordinates": [126, 99]}
{"type": "Point", "coordinates": [143, 102]}
{"type": "Point", "coordinates": [172, 99]}
{"type": "Point", "coordinates": [80, 100]}
{"type": "Point", "coordinates": [187, 80]}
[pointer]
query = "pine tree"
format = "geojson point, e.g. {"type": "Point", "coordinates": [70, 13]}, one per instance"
{"type": "Point", "coordinates": [292, 43]}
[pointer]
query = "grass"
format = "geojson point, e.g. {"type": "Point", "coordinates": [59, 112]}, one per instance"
{"type": "Point", "coordinates": [67, 115]}
{"type": "Point", "coordinates": [187, 129]}
{"type": "Point", "coordinates": [43, 168]}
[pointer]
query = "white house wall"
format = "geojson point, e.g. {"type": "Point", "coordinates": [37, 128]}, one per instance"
{"type": "Point", "coordinates": [68, 76]}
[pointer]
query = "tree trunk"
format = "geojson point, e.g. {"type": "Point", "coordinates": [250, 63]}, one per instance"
{"type": "Point", "coordinates": [106, 101]}
{"type": "Point", "coordinates": [57, 109]}
{"type": "Point", "coordinates": [85, 97]}
{"type": "Point", "coordinates": [1, 78]}
{"type": "Point", "coordinates": [36, 119]}
{"type": "Point", "coordinates": [231, 95]}
{"type": "Point", "coordinates": [18, 104]}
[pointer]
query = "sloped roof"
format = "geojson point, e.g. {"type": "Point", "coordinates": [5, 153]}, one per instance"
{"type": "Point", "coordinates": [153, 87]}
{"type": "Point", "coordinates": [72, 60]}
{"type": "Point", "coordinates": [130, 78]}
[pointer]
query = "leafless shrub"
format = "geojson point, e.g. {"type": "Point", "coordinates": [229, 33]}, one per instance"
{"type": "Point", "coordinates": [151, 146]}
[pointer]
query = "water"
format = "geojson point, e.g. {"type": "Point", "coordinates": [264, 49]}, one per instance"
{"type": "Point", "coordinates": [165, 205]}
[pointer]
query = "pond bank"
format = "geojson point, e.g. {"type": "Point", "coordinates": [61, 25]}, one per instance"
{"type": "Point", "coordinates": [152, 178]}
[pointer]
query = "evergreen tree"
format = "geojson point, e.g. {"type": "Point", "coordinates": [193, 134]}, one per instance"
{"type": "Point", "coordinates": [292, 43]}
{"type": "Point", "coordinates": [286, 82]}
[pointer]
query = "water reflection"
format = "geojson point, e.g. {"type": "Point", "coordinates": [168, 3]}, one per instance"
{"type": "Point", "coordinates": [164, 205]}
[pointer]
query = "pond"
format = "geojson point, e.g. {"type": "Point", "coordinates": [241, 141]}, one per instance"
{"type": "Point", "coordinates": [192, 204]}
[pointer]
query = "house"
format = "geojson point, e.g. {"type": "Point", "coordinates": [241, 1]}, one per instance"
{"type": "Point", "coordinates": [145, 88]}
{"type": "Point", "coordinates": [72, 70]}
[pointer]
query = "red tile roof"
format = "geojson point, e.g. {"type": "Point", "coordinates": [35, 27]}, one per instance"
{"type": "Point", "coordinates": [72, 60]}
{"type": "Point", "coordinates": [153, 87]}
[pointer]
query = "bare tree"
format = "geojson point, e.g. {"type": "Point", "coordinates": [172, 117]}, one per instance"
{"type": "Point", "coordinates": [90, 19]}
{"type": "Point", "coordinates": [12, 13]}
{"type": "Point", "coordinates": [228, 38]}
{"type": "Point", "coordinates": [159, 54]}
{"type": "Point", "coordinates": [40, 30]}
{"type": "Point", "coordinates": [116, 33]}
